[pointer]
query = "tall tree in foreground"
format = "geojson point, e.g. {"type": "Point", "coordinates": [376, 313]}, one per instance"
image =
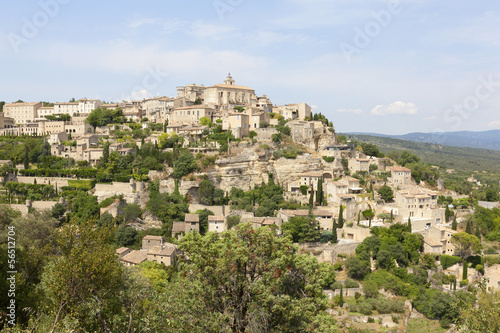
{"type": "Point", "coordinates": [248, 280]}
{"type": "Point", "coordinates": [483, 317]}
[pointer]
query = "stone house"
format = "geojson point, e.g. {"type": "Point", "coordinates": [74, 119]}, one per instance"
{"type": "Point", "coordinates": [399, 176]}
{"type": "Point", "coordinates": [150, 241]}
{"type": "Point", "coordinates": [163, 254]}
{"type": "Point", "coordinates": [359, 165]}
{"type": "Point", "coordinates": [216, 223]}
{"type": "Point", "coordinates": [191, 114]}
{"type": "Point", "coordinates": [238, 123]}
{"type": "Point", "coordinates": [438, 241]}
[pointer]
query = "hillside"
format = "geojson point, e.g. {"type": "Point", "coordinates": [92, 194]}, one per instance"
{"type": "Point", "coordinates": [459, 158]}
{"type": "Point", "coordinates": [483, 140]}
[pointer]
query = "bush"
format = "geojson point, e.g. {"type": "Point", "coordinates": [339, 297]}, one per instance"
{"type": "Point", "coordinates": [329, 159]}
{"type": "Point", "coordinates": [326, 236]}
{"type": "Point", "coordinates": [350, 283]}
{"type": "Point", "coordinates": [491, 260]}
{"type": "Point", "coordinates": [336, 285]}
{"type": "Point", "coordinates": [448, 261]}
{"type": "Point", "coordinates": [371, 320]}
{"type": "Point", "coordinates": [303, 189]}
{"type": "Point", "coordinates": [337, 266]}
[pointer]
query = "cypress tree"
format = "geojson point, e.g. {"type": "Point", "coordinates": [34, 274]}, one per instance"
{"type": "Point", "coordinates": [341, 298]}
{"type": "Point", "coordinates": [371, 187]}
{"type": "Point", "coordinates": [447, 214]}
{"type": "Point", "coordinates": [319, 191]}
{"type": "Point", "coordinates": [454, 285]}
{"type": "Point", "coordinates": [26, 157]}
{"type": "Point", "coordinates": [335, 239]}
{"type": "Point", "coordinates": [478, 232]}
{"type": "Point", "coordinates": [468, 227]}
{"type": "Point", "coordinates": [464, 271]}
{"type": "Point", "coordinates": [392, 216]}
{"type": "Point", "coordinates": [341, 217]}
{"type": "Point", "coordinates": [409, 224]}
{"type": "Point", "coordinates": [359, 217]}
{"type": "Point", "coordinates": [311, 199]}
{"type": "Point", "coordinates": [454, 223]}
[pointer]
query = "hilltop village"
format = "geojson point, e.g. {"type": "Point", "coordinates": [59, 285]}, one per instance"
{"type": "Point", "coordinates": [215, 157]}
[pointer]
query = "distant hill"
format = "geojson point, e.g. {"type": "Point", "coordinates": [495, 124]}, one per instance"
{"type": "Point", "coordinates": [459, 158]}
{"type": "Point", "coordinates": [484, 140]}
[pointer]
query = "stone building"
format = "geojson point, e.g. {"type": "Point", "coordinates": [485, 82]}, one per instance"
{"type": "Point", "coordinates": [399, 176]}
{"type": "Point", "coordinates": [228, 95]}
{"type": "Point", "coordinates": [22, 113]}
{"type": "Point", "coordinates": [191, 114]}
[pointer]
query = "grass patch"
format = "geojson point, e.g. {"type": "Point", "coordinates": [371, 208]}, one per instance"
{"type": "Point", "coordinates": [80, 184]}
{"type": "Point", "coordinates": [424, 325]}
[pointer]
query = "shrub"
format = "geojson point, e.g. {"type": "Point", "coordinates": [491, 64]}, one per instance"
{"type": "Point", "coordinates": [303, 189]}
{"type": "Point", "coordinates": [336, 285]}
{"type": "Point", "coordinates": [448, 261]}
{"type": "Point", "coordinates": [371, 320]}
{"type": "Point", "coordinates": [329, 159]}
{"type": "Point", "coordinates": [337, 266]}
{"type": "Point", "coordinates": [326, 236]}
{"type": "Point", "coordinates": [491, 260]}
{"type": "Point", "coordinates": [350, 283]}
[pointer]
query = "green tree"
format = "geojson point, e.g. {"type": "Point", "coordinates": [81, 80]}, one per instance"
{"type": "Point", "coordinates": [302, 229]}
{"type": "Point", "coordinates": [466, 244]}
{"type": "Point", "coordinates": [205, 121]}
{"type": "Point", "coordinates": [408, 157]}
{"type": "Point", "coordinates": [386, 193]}
{"type": "Point", "coordinates": [368, 214]}
{"type": "Point", "coordinates": [340, 224]}
{"type": "Point", "coordinates": [356, 268]}
{"type": "Point", "coordinates": [131, 212]}
{"type": "Point", "coordinates": [234, 278]}
{"type": "Point", "coordinates": [203, 217]}
{"type": "Point", "coordinates": [184, 165]}
{"type": "Point", "coordinates": [80, 283]}
{"type": "Point", "coordinates": [319, 192]}
{"type": "Point", "coordinates": [447, 214]}
{"type": "Point", "coordinates": [311, 199]}
{"type": "Point", "coordinates": [465, 265]}
{"type": "Point", "coordinates": [383, 216]}
{"type": "Point", "coordinates": [335, 238]}
{"type": "Point", "coordinates": [233, 221]}
{"type": "Point", "coordinates": [483, 316]}
{"type": "Point", "coordinates": [126, 236]}
{"type": "Point", "coordinates": [454, 224]}
{"type": "Point", "coordinates": [206, 192]}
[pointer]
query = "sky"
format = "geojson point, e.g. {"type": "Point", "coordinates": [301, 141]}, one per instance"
{"type": "Point", "coordinates": [389, 67]}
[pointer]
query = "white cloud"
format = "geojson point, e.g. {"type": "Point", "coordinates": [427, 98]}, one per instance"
{"type": "Point", "coordinates": [494, 123]}
{"type": "Point", "coordinates": [202, 30]}
{"type": "Point", "coordinates": [430, 118]}
{"type": "Point", "coordinates": [395, 108]}
{"type": "Point", "coordinates": [355, 111]}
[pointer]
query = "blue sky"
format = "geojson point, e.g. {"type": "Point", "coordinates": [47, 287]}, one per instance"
{"type": "Point", "coordinates": [370, 66]}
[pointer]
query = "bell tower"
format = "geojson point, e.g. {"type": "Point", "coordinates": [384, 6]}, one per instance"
{"type": "Point", "coordinates": [229, 80]}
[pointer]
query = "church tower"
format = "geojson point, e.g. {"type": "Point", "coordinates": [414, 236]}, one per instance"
{"type": "Point", "coordinates": [229, 80]}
